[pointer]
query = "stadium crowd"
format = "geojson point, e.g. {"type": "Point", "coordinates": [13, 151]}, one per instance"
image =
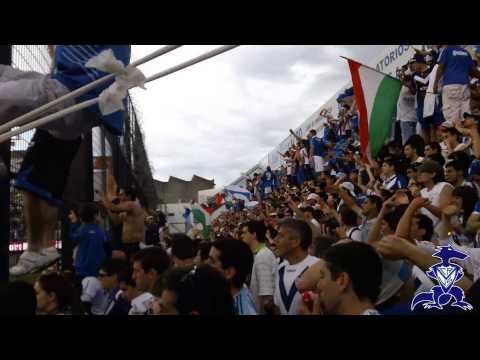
{"type": "Point", "coordinates": [329, 233]}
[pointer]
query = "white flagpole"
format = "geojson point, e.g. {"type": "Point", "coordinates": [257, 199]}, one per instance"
{"type": "Point", "coordinates": [47, 119]}
{"type": "Point", "coordinates": [80, 91]}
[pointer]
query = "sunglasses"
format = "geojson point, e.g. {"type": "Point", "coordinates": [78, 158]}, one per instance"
{"type": "Point", "coordinates": [103, 275]}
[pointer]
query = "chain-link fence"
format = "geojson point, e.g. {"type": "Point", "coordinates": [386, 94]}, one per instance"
{"type": "Point", "coordinates": [87, 179]}
{"type": "Point", "coordinates": [27, 58]}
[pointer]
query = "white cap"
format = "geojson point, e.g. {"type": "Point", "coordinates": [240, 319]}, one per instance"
{"type": "Point", "coordinates": [313, 196]}
{"type": "Point", "coordinates": [349, 187]}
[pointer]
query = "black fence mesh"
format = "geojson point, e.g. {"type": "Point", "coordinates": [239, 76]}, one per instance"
{"type": "Point", "coordinates": [87, 179]}
{"type": "Point", "coordinates": [27, 58]}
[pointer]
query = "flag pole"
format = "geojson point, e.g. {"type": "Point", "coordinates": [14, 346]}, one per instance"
{"type": "Point", "coordinates": [45, 120]}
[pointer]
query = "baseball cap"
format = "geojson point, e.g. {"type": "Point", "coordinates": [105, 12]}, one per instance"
{"type": "Point", "coordinates": [313, 196]}
{"type": "Point", "coordinates": [430, 166]}
{"type": "Point", "coordinates": [419, 58]}
{"type": "Point", "coordinates": [349, 187]}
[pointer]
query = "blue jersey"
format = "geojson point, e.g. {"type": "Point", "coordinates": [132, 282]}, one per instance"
{"type": "Point", "coordinates": [476, 210]}
{"type": "Point", "coordinates": [92, 242]}
{"type": "Point", "coordinates": [319, 146]}
{"type": "Point", "coordinates": [243, 302]}
{"type": "Point", "coordinates": [395, 182]}
{"type": "Point", "coordinates": [71, 71]}
{"type": "Point", "coordinates": [268, 179]}
{"type": "Point", "coordinates": [457, 64]}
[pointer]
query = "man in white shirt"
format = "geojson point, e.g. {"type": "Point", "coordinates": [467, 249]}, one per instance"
{"type": "Point", "coordinates": [262, 282]}
{"type": "Point", "coordinates": [94, 298]}
{"type": "Point", "coordinates": [291, 243]}
{"type": "Point", "coordinates": [406, 113]}
{"type": "Point", "coordinates": [439, 193]}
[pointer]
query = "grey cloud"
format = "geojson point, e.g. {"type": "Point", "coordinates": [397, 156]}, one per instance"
{"type": "Point", "coordinates": [224, 142]}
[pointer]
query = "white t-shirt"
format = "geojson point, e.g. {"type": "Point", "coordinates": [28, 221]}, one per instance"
{"type": "Point", "coordinates": [92, 292]}
{"type": "Point", "coordinates": [319, 163]}
{"type": "Point", "coordinates": [406, 106]}
{"type": "Point", "coordinates": [262, 282]}
{"type": "Point", "coordinates": [306, 159]}
{"type": "Point", "coordinates": [434, 197]}
{"type": "Point", "coordinates": [141, 304]}
{"type": "Point", "coordinates": [287, 274]}
{"type": "Point", "coordinates": [354, 234]}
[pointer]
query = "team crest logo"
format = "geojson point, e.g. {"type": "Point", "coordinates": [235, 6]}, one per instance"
{"type": "Point", "coordinates": [446, 274]}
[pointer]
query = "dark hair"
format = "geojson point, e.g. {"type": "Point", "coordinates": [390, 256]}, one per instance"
{"type": "Point", "coordinates": [390, 161]}
{"type": "Point", "coordinates": [301, 229]}
{"type": "Point", "coordinates": [153, 258]}
{"type": "Point", "coordinates": [125, 276]}
{"type": "Point", "coordinates": [114, 266]}
{"type": "Point", "coordinates": [130, 192]}
{"type": "Point", "coordinates": [313, 132]}
{"type": "Point", "coordinates": [435, 146]}
{"type": "Point", "coordinates": [362, 264]}
{"type": "Point", "coordinates": [258, 228]}
{"type": "Point", "coordinates": [322, 243]}
{"type": "Point", "coordinates": [462, 159]}
{"type": "Point", "coordinates": [454, 132]}
{"type": "Point", "coordinates": [348, 216]}
{"type": "Point", "coordinates": [377, 200]}
{"type": "Point", "coordinates": [469, 199]}
{"type": "Point", "coordinates": [413, 167]}
{"type": "Point", "coordinates": [308, 209]}
{"type": "Point", "coordinates": [417, 143]}
{"type": "Point", "coordinates": [394, 145]}
{"type": "Point", "coordinates": [236, 254]}
{"type": "Point", "coordinates": [87, 212]}
{"type": "Point", "coordinates": [204, 249]}
{"type": "Point", "coordinates": [457, 166]}
{"type": "Point", "coordinates": [437, 158]}
{"type": "Point", "coordinates": [425, 223]}
{"type": "Point", "coordinates": [182, 247]}
{"type": "Point", "coordinates": [202, 290]}
{"type": "Point", "coordinates": [18, 299]}
{"type": "Point", "coordinates": [74, 208]}
{"type": "Point", "coordinates": [391, 219]}
{"type": "Point", "coordinates": [59, 285]}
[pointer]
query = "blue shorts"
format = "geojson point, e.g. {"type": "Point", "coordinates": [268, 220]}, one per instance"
{"type": "Point", "coordinates": [435, 120]}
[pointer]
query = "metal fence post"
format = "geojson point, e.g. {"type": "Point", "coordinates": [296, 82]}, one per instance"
{"type": "Point", "coordinates": [5, 59]}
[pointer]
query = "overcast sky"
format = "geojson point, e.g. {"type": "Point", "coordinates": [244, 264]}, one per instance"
{"type": "Point", "coordinates": [218, 118]}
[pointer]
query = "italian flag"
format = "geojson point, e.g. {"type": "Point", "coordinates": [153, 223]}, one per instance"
{"type": "Point", "coordinates": [376, 95]}
{"type": "Point", "coordinates": [203, 217]}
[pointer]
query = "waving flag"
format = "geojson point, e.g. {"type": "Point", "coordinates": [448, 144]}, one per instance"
{"type": "Point", "coordinates": [376, 95]}
{"type": "Point", "coordinates": [238, 193]}
{"type": "Point", "coordinates": [203, 217]}
{"type": "Point", "coordinates": [188, 221]}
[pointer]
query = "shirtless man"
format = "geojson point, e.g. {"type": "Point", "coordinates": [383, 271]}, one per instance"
{"type": "Point", "coordinates": [125, 209]}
